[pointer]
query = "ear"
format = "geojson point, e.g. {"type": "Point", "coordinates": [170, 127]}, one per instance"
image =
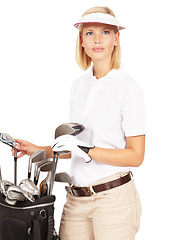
{"type": "Point", "coordinates": [116, 38]}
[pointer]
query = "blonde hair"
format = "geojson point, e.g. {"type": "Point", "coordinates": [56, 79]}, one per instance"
{"type": "Point", "coordinates": [82, 59]}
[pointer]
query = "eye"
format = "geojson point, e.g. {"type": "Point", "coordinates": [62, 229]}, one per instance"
{"type": "Point", "coordinates": [89, 33]}
{"type": "Point", "coordinates": [106, 32]}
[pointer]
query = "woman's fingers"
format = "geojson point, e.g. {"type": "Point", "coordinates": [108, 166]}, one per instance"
{"type": "Point", "coordinates": [21, 154]}
{"type": "Point", "coordinates": [24, 148]}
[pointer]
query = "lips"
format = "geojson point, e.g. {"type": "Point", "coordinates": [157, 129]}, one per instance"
{"type": "Point", "coordinates": [98, 49]}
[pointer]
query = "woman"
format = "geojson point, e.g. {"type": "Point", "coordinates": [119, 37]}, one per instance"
{"type": "Point", "coordinates": [103, 203]}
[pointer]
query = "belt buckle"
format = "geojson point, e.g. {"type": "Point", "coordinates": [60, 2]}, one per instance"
{"type": "Point", "coordinates": [91, 191]}
{"type": "Point", "coordinates": [71, 190]}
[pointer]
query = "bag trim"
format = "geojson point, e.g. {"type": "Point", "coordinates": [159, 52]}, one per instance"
{"type": "Point", "coordinates": [29, 207]}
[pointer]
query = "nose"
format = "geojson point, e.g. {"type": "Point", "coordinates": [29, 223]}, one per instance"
{"type": "Point", "coordinates": [97, 42]}
{"type": "Point", "coordinates": [97, 39]}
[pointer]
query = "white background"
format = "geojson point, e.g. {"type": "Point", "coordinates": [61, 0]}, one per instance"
{"type": "Point", "coordinates": [37, 68]}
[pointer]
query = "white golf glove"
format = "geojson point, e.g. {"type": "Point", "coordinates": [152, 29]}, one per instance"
{"type": "Point", "coordinates": [71, 143]}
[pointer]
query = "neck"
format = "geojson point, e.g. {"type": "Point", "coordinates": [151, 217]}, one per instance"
{"type": "Point", "coordinates": [101, 69]}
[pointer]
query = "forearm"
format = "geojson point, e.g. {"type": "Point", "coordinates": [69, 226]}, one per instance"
{"type": "Point", "coordinates": [132, 156]}
{"type": "Point", "coordinates": [49, 152]}
{"type": "Point", "coordinates": [117, 157]}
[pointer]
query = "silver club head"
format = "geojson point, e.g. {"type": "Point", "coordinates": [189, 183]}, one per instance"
{"type": "Point", "coordinates": [9, 201]}
{"type": "Point", "coordinates": [47, 167]}
{"type": "Point", "coordinates": [4, 186]}
{"type": "Point", "coordinates": [14, 193]}
{"type": "Point", "coordinates": [69, 128]}
{"type": "Point", "coordinates": [38, 164]}
{"type": "Point", "coordinates": [37, 169]}
{"type": "Point", "coordinates": [35, 157]}
{"type": "Point", "coordinates": [28, 186]}
{"type": "Point", "coordinates": [28, 196]}
{"type": "Point", "coordinates": [63, 177]}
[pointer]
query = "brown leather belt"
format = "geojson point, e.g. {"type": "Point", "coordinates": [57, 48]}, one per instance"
{"type": "Point", "coordinates": [92, 190]}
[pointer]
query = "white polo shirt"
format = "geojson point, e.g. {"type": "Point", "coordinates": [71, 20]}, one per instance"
{"type": "Point", "coordinates": [111, 108]}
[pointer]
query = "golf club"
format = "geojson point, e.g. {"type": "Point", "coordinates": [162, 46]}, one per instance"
{"type": "Point", "coordinates": [47, 167]}
{"type": "Point", "coordinates": [37, 169]}
{"type": "Point", "coordinates": [28, 186]}
{"type": "Point", "coordinates": [9, 201]}
{"type": "Point", "coordinates": [59, 177]}
{"type": "Point", "coordinates": [7, 139]}
{"type": "Point", "coordinates": [0, 174]}
{"type": "Point", "coordinates": [4, 184]}
{"type": "Point", "coordinates": [63, 177]}
{"type": "Point", "coordinates": [67, 128]}
{"type": "Point", "coordinates": [35, 157]}
{"type": "Point", "coordinates": [37, 165]}
{"type": "Point", "coordinates": [45, 184]}
{"type": "Point", "coordinates": [14, 193]}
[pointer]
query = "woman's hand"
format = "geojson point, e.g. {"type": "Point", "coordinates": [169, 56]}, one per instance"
{"type": "Point", "coordinates": [72, 144]}
{"type": "Point", "coordinates": [24, 148]}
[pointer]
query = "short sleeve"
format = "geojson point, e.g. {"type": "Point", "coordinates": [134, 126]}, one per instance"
{"type": "Point", "coordinates": [133, 114]}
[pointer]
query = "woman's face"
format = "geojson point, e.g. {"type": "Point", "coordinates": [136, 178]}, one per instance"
{"type": "Point", "coordinates": [98, 41]}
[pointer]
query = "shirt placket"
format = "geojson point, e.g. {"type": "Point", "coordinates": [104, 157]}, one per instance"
{"type": "Point", "coordinates": [90, 100]}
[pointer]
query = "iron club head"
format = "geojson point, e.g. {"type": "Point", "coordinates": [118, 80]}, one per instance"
{"type": "Point", "coordinates": [63, 177]}
{"type": "Point", "coordinates": [37, 169]}
{"type": "Point", "coordinates": [28, 186]}
{"type": "Point", "coordinates": [35, 157]}
{"type": "Point", "coordinates": [4, 186]}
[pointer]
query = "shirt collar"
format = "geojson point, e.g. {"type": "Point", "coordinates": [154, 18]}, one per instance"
{"type": "Point", "coordinates": [113, 73]}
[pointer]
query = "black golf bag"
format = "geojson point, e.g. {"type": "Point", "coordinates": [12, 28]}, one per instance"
{"type": "Point", "coordinates": [27, 220]}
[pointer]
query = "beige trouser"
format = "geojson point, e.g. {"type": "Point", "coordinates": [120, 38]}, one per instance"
{"type": "Point", "coordinates": [110, 215]}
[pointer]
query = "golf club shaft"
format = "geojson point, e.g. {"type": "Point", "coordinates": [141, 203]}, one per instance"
{"type": "Point", "coordinates": [55, 160]}
{"type": "Point", "coordinates": [15, 167]}
{"type": "Point", "coordinates": [0, 174]}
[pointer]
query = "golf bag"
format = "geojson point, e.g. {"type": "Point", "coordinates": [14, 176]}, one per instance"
{"type": "Point", "coordinates": [27, 220]}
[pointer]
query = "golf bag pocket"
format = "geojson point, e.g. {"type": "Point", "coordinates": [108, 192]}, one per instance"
{"type": "Point", "coordinates": [13, 229]}
{"type": "Point", "coordinates": [27, 220]}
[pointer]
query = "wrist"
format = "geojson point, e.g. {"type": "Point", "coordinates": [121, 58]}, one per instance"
{"type": "Point", "coordinates": [86, 149]}
{"type": "Point", "coordinates": [91, 151]}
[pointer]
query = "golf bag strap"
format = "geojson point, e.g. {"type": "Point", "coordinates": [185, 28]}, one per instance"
{"type": "Point", "coordinates": [35, 231]}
